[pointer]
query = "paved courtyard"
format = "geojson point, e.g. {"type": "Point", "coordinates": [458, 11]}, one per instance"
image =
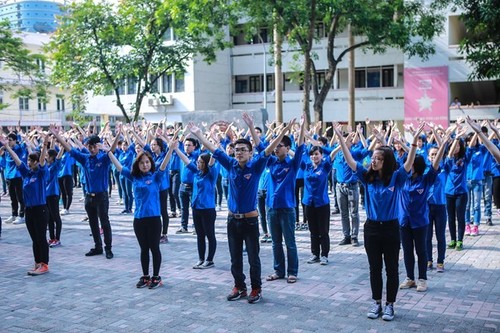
{"type": "Point", "coordinates": [93, 294]}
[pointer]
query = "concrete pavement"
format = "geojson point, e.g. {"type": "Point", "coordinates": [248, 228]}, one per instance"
{"type": "Point", "coordinates": [93, 294]}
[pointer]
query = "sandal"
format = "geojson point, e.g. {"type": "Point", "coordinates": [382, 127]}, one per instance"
{"type": "Point", "coordinates": [291, 279]}
{"type": "Point", "coordinates": [273, 277]}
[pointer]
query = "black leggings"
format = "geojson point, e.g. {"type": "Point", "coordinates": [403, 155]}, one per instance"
{"type": "Point", "coordinates": [204, 224]}
{"type": "Point", "coordinates": [496, 191]}
{"type": "Point", "coordinates": [382, 246]}
{"type": "Point", "coordinates": [36, 223]}
{"type": "Point", "coordinates": [299, 194]}
{"type": "Point", "coordinates": [15, 186]}
{"type": "Point", "coordinates": [164, 211]}
{"type": "Point", "coordinates": [319, 227]}
{"type": "Point", "coordinates": [55, 223]}
{"type": "Point", "coordinates": [66, 186]}
{"type": "Point", "coordinates": [147, 230]}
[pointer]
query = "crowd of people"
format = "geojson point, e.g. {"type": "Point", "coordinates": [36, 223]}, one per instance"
{"type": "Point", "coordinates": [411, 183]}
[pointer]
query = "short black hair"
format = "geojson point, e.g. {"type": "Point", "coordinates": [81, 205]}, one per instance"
{"type": "Point", "coordinates": [93, 140]}
{"type": "Point", "coordinates": [12, 136]}
{"type": "Point", "coordinates": [286, 141]}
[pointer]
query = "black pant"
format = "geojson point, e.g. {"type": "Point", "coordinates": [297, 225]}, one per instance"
{"type": "Point", "coordinates": [66, 186]}
{"type": "Point", "coordinates": [382, 244]}
{"type": "Point", "coordinates": [204, 224]}
{"type": "Point", "coordinates": [55, 223]}
{"type": "Point", "coordinates": [319, 226]}
{"type": "Point", "coordinates": [147, 231]}
{"type": "Point", "coordinates": [496, 191]}
{"type": "Point", "coordinates": [36, 222]}
{"type": "Point", "coordinates": [164, 211]}
{"type": "Point", "coordinates": [15, 186]}
{"type": "Point", "coordinates": [97, 206]}
{"type": "Point", "coordinates": [173, 191]}
{"type": "Point", "coordinates": [261, 206]}
{"type": "Point", "coordinates": [299, 194]}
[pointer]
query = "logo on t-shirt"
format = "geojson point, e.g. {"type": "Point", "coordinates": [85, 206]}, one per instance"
{"type": "Point", "coordinates": [33, 179]}
{"type": "Point", "coordinates": [420, 191]}
{"type": "Point", "coordinates": [391, 188]}
{"type": "Point", "coordinates": [247, 176]}
{"type": "Point", "coordinates": [147, 182]}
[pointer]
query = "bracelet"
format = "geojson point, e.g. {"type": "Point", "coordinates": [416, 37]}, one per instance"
{"type": "Point", "coordinates": [413, 145]}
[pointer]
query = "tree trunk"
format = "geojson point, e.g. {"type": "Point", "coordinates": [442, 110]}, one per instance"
{"type": "Point", "coordinates": [351, 82]}
{"type": "Point", "coordinates": [278, 74]}
{"type": "Point", "coordinates": [307, 87]}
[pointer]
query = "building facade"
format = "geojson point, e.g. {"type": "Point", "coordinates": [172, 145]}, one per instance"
{"type": "Point", "coordinates": [31, 15]}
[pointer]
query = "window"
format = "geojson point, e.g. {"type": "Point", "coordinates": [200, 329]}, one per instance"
{"type": "Point", "coordinates": [179, 83]}
{"type": "Point", "coordinates": [166, 83]}
{"type": "Point", "coordinates": [387, 76]}
{"type": "Point", "coordinates": [1, 97]}
{"type": "Point", "coordinates": [24, 103]}
{"type": "Point", "coordinates": [60, 103]}
{"type": "Point", "coordinates": [359, 78]}
{"type": "Point", "coordinates": [131, 85]}
{"type": "Point", "coordinates": [255, 83]}
{"type": "Point", "coordinates": [320, 78]}
{"type": "Point", "coordinates": [373, 77]}
{"type": "Point", "coordinates": [154, 86]}
{"type": "Point", "coordinates": [41, 65]}
{"type": "Point", "coordinates": [121, 87]}
{"type": "Point", "coordinates": [241, 85]}
{"type": "Point", "coordinates": [42, 105]}
{"type": "Point", "coordinates": [270, 82]}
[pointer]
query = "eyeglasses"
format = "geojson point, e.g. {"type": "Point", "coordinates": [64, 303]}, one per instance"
{"type": "Point", "coordinates": [280, 145]}
{"type": "Point", "coordinates": [240, 150]}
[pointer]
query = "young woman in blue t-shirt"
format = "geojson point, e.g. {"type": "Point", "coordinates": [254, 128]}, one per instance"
{"type": "Point", "coordinates": [146, 182]}
{"type": "Point", "coordinates": [383, 180]}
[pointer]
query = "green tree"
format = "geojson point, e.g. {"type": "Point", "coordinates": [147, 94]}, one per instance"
{"type": "Point", "coordinates": [377, 25]}
{"type": "Point", "coordinates": [481, 43]}
{"type": "Point", "coordinates": [25, 77]}
{"type": "Point", "coordinates": [101, 45]}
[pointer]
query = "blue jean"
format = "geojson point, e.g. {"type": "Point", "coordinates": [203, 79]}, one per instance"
{"type": "Point", "coordinates": [455, 206]}
{"type": "Point", "coordinates": [414, 239]}
{"type": "Point", "coordinates": [487, 193]}
{"type": "Point", "coordinates": [185, 194]}
{"type": "Point", "coordinates": [261, 206]}
{"type": "Point", "coordinates": [239, 231]}
{"type": "Point", "coordinates": [475, 188]}
{"type": "Point", "coordinates": [282, 225]}
{"type": "Point", "coordinates": [437, 218]}
{"type": "Point", "coordinates": [126, 186]}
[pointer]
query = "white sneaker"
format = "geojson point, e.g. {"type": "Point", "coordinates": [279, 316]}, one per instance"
{"type": "Point", "coordinates": [407, 284]}
{"type": "Point", "coordinates": [10, 219]}
{"type": "Point", "coordinates": [421, 285]}
{"type": "Point", "coordinates": [63, 212]}
{"type": "Point", "coordinates": [18, 220]}
{"type": "Point", "coordinates": [119, 202]}
{"type": "Point", "coordinates": [82, 199]}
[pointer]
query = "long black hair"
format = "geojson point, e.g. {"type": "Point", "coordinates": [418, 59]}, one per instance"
{"type": "Point", "coordinates": [390, 165]}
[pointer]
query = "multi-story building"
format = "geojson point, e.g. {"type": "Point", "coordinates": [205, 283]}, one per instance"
{"type": "Point", "coordinates": [31, 15]}
{"type": "Point", "coordinates": [31, 109]}
{"type": "Point", "coordinates": [236, 81]}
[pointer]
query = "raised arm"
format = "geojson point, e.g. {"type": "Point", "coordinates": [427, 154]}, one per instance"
{"type": "Point", "coordinates": [59, 138]}
{"type": "Point", "coordinates": [269, 149]}
{"type": "Point", "coordinates": [172, 145]}
{"type": "Point", "coordinates": [115, 161]}
{"type": "Point", "coordinates": [12, 153]}
{"type": "Point", "coordinates": [440, 153]}
{"type": "Point", "coordinates": [413, 150]}
{"type": "Point", "coordinates": [487, 143]}
{"type": "Point", "coordinates": [251, 127]}
{"type": "Point", "coordinates": [182, 156]}
{"type": "Point", "coordinates": [43, 151]}
{"type": "Point", "coordinates": [345, 150]}
{"type": "Point", "coordinates": [196, 131]}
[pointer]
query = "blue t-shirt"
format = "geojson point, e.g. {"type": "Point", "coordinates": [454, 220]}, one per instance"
{"type": "Point", "coordinates": [243, 182]}
{"type": "Point", "coordinates": [413, 207]}
{"type": "Point", "coordinates": [203, 196]}
{"type": "Point", "coordinates": [146, 188]}
{"type": "Point", "coordinates": [381, 201]}
{"type": "Point", "coordinates": [52, 187]}
{"type": "Point", "coordinates": [281, 185]}
{"type": "Point", "coordinates": [456, 170]}
{"type": "Point", "coordinates": [316, 183]}
{"type": "Point", "coordinates": [34, 183]}
{"type": "Point", "coordinates": [96, 170]}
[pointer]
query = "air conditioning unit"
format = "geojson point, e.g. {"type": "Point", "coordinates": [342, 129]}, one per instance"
{"type": "Point", "coordinates": [152, 101]}
{"type": "Point", "coordinates": [165, 100]}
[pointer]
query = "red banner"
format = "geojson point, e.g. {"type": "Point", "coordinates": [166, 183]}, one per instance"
{"type": "Point", "coordinates": [426, 95]}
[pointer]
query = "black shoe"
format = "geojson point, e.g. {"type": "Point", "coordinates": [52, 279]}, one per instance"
{"type": "Point", "coordinates": [93, 252]}
{"type": "Point", "coordinates": [109, 254]}
{"type": "Point", "coordinates": [345, 241]}
{"type": "Point", "coordinates": [335, 212]}
{"type": "Point", "coordinates": [155, 282]}
{"type": "Point", "coordinates": [355, 241]}
{"type": "Point", "coordinates": [143, 281]}
{"type": "Point", "coordinates": [488, 222]}
{"type": "Point", "coordinates": [236, 294]}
